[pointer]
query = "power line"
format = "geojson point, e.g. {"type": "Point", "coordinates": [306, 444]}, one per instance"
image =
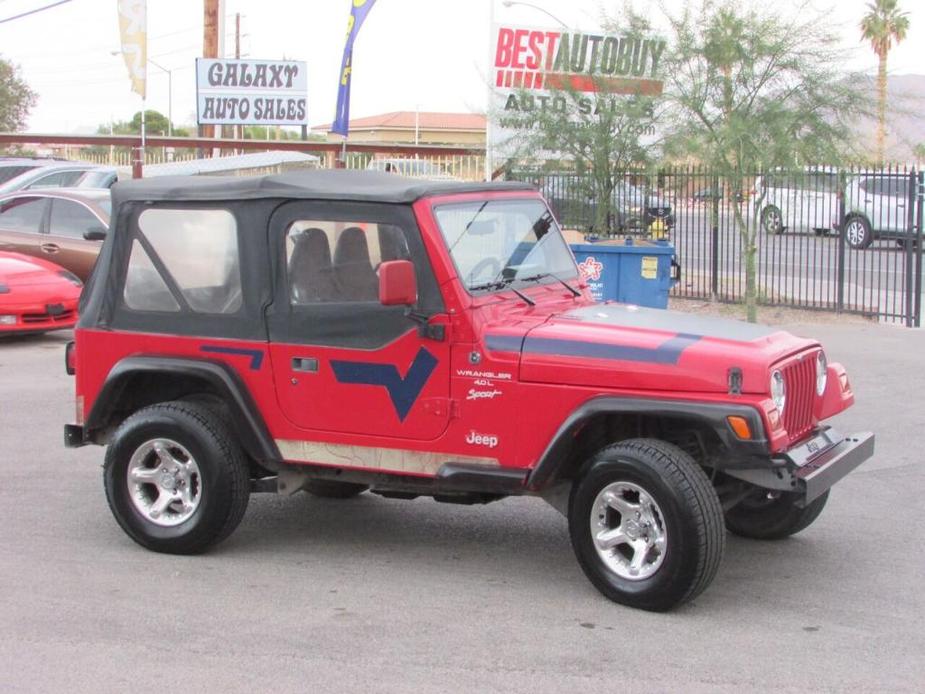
{"type": "Point", "coordinates": [26, 14]}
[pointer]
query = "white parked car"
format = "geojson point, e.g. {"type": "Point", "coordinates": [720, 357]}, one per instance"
{"type": "Point", "coordinates": [877, 207]}
{"type": "Point", "coordinates": [412, 168]}
{"type": "Point", "coordinates": [799, 200]}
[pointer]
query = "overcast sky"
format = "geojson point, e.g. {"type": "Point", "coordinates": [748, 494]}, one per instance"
{"type": "Point", "coordinates": [427, 54]}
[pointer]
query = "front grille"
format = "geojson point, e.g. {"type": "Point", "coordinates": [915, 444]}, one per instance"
{"type": "Point", "coordinates": [800, 377]}
{"type": "Point", "coordinates": [47, 317]}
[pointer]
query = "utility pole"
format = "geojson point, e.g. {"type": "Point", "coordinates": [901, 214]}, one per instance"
{"type": "Point", "coordinates": [210, 26]}
{"type": "Point", "coordinates": [237, 131]}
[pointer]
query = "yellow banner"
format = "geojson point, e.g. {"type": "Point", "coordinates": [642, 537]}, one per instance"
{"type": "Point", "coordinates": [134, 32]}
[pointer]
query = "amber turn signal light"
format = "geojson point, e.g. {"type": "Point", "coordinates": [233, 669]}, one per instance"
{"type": "Point", "coordinates": [740, 426]}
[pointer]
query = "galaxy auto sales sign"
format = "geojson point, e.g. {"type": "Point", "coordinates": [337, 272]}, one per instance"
{"type": "Point", "coordinates": [251, 92]}
{"type": "Point", "coordinates": [573, 73]}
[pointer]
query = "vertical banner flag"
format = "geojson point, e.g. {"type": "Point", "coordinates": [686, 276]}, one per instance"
{"type": "Point", "coordinates": [358, 11]}
{"type": "Point", "coordinates": [134, 33]}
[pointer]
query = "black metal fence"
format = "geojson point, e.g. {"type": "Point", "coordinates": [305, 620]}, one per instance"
{"type": "Point", "coordinates": [845, 240]}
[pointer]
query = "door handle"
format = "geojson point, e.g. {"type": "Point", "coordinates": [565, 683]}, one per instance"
{"type": "Point", "coordinates": [305, 364]}
{"type": "Point", "coordinates": [51, 247]}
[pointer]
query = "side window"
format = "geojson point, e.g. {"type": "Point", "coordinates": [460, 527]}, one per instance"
{"type": "Point", "coordinates": [61, 179]}
{"type": "Point", "coordinates": [23, 214]}
{"type": "Point", "coordinates": [331, 262]}
{"type": "Point", "coordinates": [71, 219]}
{"type": "Point", "coordinates": [193, 254]}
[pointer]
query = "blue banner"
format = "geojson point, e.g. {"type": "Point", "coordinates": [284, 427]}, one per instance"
{"type": "Point", "coordinates": [358, 11]}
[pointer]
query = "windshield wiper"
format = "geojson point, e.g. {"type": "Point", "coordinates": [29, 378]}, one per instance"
{"type": "Point", "coordinates": [502, 284]}
{"type": "Point", "coordinates": [494, 284]}
{"type": "Point", "coordinates": [544, 275]}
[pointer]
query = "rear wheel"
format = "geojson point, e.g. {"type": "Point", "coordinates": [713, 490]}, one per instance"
{"type": "Point", "coordinates": [646, 525]}
{"type": "Point", "coordinates": [766, 515]}
{"type": "Point", "coordinates": [176, 478]}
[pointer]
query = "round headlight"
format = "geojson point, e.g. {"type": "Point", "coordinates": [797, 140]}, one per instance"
{"type": "Point", "coordinates": [778, 390]}
{"type": "Point", "coordinates": [822, 372]}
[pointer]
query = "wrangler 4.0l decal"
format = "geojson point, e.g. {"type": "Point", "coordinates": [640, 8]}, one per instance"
{"type": "Point", "coordinates": [402, 391]}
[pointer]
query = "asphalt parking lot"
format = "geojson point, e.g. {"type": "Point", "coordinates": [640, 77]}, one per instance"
{"type": "Point", "coordinates": [380, 595]}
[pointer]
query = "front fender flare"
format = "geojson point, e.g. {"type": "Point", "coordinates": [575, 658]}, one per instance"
{"type": "Point", "coordinates": [712, 414]}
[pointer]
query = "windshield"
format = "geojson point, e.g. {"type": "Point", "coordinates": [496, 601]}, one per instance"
{"type": "Point", "coordinates": [501, 243]}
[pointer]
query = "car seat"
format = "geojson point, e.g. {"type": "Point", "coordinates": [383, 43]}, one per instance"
{"type": "Point", "coordinates": [356, 279]}
{"type": "Point", "coordinates": [311, 276]}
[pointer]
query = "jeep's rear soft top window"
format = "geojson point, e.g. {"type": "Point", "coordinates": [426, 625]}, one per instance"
{"type": "Point", "coordinates": [184, 259]}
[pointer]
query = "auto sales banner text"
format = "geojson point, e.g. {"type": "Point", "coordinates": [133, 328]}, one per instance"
{"type": "Point", "coordinates": [251, 92]}
{"type": "Point", "coordinates": [574, 73]}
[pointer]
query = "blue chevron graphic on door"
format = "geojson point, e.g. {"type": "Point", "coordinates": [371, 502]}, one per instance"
{"type": "Point", "coordinates": [403, 392]}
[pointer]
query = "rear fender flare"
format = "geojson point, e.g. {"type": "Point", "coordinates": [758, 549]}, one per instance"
{"type": "Point", "coordinates": [223, 382]}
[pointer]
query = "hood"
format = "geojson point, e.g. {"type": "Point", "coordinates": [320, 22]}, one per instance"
{"type": "Point", "coordinates": [20, 272]}
{"type": "Point", "coordinates": [629, 347]}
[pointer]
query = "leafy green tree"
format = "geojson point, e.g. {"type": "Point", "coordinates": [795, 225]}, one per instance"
{"type": "Point", "coordinates": [883, 24]}
{"type": "Point", "coordinates": [16, 98]}
{"type": "Point", "coordinates": [750, 91]}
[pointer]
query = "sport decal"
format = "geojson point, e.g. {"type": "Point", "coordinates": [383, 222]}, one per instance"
{"type": "Point", "coordinates": [255, 354]}
{"type": "Point", "coordinates": [402, 391]}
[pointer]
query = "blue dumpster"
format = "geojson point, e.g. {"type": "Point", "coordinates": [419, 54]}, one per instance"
{"type": "Point", "coordinates": [631, 271]}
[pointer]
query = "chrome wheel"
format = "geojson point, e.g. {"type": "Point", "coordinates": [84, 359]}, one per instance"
{"type": "Point", "coordinates": [772, 221]}
{"type": "Point", "coordinates": [628, 530]}
{"type": "Point", "coordinates": [856, 233]}
{"type": "Point", "coordinates": [164, 483]}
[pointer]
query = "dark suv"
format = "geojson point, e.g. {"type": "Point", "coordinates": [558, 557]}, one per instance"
{"type": "Point", "coordinates": [633, 210]}
{"type": "Point", "coordinates": [342, 331]}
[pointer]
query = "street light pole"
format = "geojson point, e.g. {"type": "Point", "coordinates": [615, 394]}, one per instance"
{"type": "Point", "coordinates": [510, 3]}
{"type": "Point", "coordinates": [169, 95]}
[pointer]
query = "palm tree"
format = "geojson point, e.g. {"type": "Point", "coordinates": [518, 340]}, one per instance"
{"type": "Point", "coordinates": [881, 25]}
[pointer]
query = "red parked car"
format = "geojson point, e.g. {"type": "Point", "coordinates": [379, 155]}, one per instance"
{"type": "Point", "coordinates": [36, 296]}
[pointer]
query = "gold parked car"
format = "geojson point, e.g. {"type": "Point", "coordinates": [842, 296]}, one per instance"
{"type": "Point", "coordinates": [65, 226]}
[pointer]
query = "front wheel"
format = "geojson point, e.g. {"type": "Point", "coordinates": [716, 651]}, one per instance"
{"type": "Point", "coordinates": [768, 515]}
{"type": "Point", "coordinates": [857, 232]}
{"type": "Point", "coordinates": [772, 221]}
{"type": "Point", "coordinates": [175, 478]}
{"type": "Point", "coordinates": [646, 525]}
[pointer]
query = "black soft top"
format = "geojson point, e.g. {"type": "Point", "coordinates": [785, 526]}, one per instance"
{"type": "Point", "coordinates": [320, 184]}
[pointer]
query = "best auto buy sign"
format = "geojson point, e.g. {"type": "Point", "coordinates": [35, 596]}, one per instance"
{"type": "Point", "coordinates": [532, 67]}
{"type": "Point", "coordinates": [536, 59]}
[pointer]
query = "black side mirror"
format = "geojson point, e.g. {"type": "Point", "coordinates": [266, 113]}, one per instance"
{"type": "Point", "coordinates": [95, 233]}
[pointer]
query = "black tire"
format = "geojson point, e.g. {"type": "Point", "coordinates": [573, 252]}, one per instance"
{"type": "Point", "coordinates": [759, 518]}
{"type": "Point", "coordinates": [772, 221]}
{"type": "Point", "coordinates": [857, 233]}
{"type": "Point", "coordinates": [331, 489]}
{"type": "Point", "coordinates": [222, 481]}
{"type": "Point", "coordinates": [689, 514]}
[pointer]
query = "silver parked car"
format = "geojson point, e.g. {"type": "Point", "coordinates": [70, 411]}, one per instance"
{"type": "Point", "coordinates": [877, 207]}
{"type": "Point", "coordinates": [27, 174]}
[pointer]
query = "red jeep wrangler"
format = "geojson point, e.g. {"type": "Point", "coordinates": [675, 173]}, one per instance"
{"type": "Point", "coordinates": [339, 331]}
